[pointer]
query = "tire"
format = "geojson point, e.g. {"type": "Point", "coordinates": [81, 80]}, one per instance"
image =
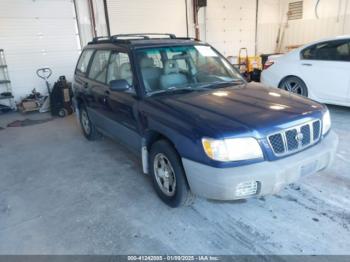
{"type": "Point", "coordinates": [295, 85]}
{"type": "Point", "coordinates": [62, 112]}
{"type": "Point", "coordinates": [88, 128]}
{"type": "Point", "coordinates": [180, 193]}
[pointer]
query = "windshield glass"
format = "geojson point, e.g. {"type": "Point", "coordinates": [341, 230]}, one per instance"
{"type": "Point", "coordinates": [179, 68]}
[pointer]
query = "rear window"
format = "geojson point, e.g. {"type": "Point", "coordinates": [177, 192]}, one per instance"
{"type": "Point", "coordinates": [84, 60]}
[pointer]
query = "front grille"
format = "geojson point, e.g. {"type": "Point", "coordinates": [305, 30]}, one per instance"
{"type": "Point", "coordinates": [317, 129]}
{"type": "Point", "coordinates": [277, 142]}
{"type": "Point", "coordinates": [296, 138]}
{"type": "Point", "coordinates": [305, 130]}
{"type": "Point", "coordinates": [292, 142]}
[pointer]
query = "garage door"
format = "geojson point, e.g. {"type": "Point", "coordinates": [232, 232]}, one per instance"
{"type": "Point", "coordinates": [154, 16]}
{"type": "Point", "coordinates": [230, 25]}
{"type": "Point", "coordinates": [37, 34]}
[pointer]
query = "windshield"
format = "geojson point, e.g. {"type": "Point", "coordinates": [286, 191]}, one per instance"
{"type": "Point", "coordinates": [179, 68]}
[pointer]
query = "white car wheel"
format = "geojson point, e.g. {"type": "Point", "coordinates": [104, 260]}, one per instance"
{"type": "Point", "coordinates": [295, 85]}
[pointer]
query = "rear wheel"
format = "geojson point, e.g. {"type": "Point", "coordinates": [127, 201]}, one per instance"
{"type": "Point", "coordinates": [168, 176]}
{"type": "Point", "coordinates": [89, 129]}
{"type": "Point", "coordinates": [295, 85]}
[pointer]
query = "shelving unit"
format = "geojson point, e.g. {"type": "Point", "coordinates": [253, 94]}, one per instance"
{"type": "Point", "coordinates": [5, 84]}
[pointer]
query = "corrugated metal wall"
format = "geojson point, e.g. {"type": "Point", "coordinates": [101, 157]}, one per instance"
{"type": "Point", "coordinates": [37, 34]}
{"type": "Point", "coordinates": [154, 16]}
{"type": "Point", "coordinates": [334, 19]}
{"type": "Point", "coordinates": [304, 31]}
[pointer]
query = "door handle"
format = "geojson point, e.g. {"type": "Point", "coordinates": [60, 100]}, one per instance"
{"type": "Point", "coordinates": [306, 64]}
{"type": "Point", "coordinates": [107, 92]}
{"type": "Point", "coordinates": [86, 85]}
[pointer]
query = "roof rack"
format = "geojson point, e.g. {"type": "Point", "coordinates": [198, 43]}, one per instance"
{"type": "Point", "coordinates": [188, 38]}
{"type": "Point", "coordinates": [142, 35]}
{"type": "Point", "coordinates": [100, 39]}
{"type": "Point", "coordinates": [127, 38]}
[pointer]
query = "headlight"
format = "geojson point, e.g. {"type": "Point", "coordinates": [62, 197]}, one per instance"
{"type": "Point", "coordinates": [233, 149]}
{"type": "Point", "coordinates": [326, 122]}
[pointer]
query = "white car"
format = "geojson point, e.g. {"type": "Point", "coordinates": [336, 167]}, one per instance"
{"type": "Point", "coordinates": [320, 71]}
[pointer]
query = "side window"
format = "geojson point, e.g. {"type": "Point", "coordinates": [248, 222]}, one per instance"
{"type": "Point", "coordinates": [180, 59]}
{"type": "Point", "coordinates": [119, 68]}
{"type": "Point", "coordinates": [157, 59]}
{"type": "Point", "coordinates": [338, 50]}
{"type": "Point", "coordinates": [150, 58]}
{"type": "Point", "coordinates": [84, 60]}
{"type": "Point", "coordinates": [325, 51]}
{"type": "Point", "coordinates": [98, 70]}
{"type": "Point", "coordinates": [182, 64]}
{"type": "Point", "coordinates": [343, 51]}
{"type": "Point", "coordinates": [307, 53]}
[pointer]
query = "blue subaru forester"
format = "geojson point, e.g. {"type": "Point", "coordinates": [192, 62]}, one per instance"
{"type": "Point", "coordinates": [198, 126]}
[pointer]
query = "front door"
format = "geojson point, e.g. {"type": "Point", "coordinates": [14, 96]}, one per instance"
{"type": "Point", "coordinates": [121, 107]}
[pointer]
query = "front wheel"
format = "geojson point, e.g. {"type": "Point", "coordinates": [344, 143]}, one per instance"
{"type": "Point", "coordinates": [295, 85]}
{"type": "Point", "coordinates": [168, 176]}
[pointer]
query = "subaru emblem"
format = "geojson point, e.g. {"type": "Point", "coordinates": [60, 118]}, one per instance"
{"type": "Point", "coordinates": [299, 137]}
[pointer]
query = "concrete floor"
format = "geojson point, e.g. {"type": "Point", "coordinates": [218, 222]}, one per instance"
{"type": "Point", "coordinates": [60, 194]}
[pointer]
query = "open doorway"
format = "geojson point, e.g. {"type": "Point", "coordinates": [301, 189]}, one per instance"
{"type": "Point", "coordinates": [92, 19]}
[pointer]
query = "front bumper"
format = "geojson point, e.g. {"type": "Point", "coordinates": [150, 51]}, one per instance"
{"type": "Point", "coordinates": [271, 176]}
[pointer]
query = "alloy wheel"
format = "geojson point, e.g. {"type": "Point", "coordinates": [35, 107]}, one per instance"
{"type": "Point", "coordinates": [85, 122]}
{"type": "Point", "coordinates": [294, 86]}
{"type": "Point", "coordinates": [164, 174]}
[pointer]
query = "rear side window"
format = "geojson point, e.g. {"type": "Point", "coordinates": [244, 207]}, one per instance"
{"type": "Point", "coordinates": [98, 69]}
{"type": "Point", "coordinates": [338, 50]}
{"type": "Point", "coordinates": [84, 60]}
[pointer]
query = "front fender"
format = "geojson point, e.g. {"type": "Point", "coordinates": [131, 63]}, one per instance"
{"type": "Point", "coordinates": [181, 135]}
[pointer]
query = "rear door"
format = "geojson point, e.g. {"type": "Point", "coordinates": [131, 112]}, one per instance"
{"type": "Point", "coordinates": [80, 76]}
{"type": "Point", "coordinates": [97, 88]}
{"type": "Point", "coordinates": [325, 68]}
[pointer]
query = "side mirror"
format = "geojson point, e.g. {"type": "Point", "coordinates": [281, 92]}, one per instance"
{"type": "Point", "coordinates": [119, 85]}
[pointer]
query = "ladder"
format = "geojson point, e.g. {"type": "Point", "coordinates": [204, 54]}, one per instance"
{"type": "Point", "coordinates": [5, 84]}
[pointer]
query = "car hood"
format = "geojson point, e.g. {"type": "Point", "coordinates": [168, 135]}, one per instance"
{"type": "Point", "coordinates": [236, 110]}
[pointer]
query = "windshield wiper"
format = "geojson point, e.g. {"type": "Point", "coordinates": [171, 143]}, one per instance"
{"type": "Point", "coordinates": [219, 84]}
{"type": "Point", "coordinates": [177, 90]}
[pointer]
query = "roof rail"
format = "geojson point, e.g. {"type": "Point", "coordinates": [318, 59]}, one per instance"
{"type": "Point", "coordinates": [99, 38]}
{"type": "Point", "coordinates": [127, 38]}
{"type": "Point", "coordinates": [142, 35]}
{"type": "Point", "coordinates": [188, 38]}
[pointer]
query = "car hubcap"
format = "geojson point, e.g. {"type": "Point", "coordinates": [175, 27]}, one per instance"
{"type": "Point", "coordinates": [164, 174]}
{"type": "Point", "coordinates": [294, 87]}
{"type": "Point", "coordinates": [85, 122]}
